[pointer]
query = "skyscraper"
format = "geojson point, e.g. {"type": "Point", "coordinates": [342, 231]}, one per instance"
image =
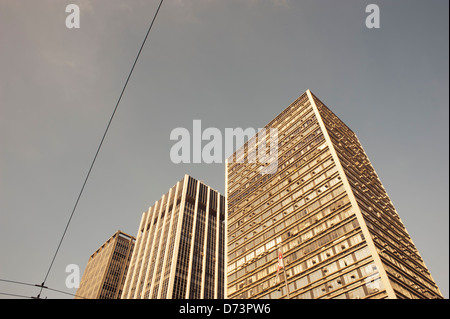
{"type": "Point", "coordinates": [180, 246]}
{"type": "Point", "coordinates": [105, 272]}
{"type": "Point", "coordinates": [321, 224]}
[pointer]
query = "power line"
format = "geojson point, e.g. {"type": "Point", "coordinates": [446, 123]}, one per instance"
{"type": "Point", "coordinates": [17, 282]}
{"type": "Point", "coordinates": [100, 145]}
{"type": "Point", "coordinates": [65, 292]}
{"type": "Point", "coordinates": [15, 295]}
{"type": "Point", "coordinates": [41, 286]}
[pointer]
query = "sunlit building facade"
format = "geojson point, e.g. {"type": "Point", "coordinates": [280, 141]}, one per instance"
{"type": "Point", "coordinates": [180, 246]}
{"type": "Point", "coordinates": [107, 267]}
{"type": "Point", "coordinates": [324, 209]}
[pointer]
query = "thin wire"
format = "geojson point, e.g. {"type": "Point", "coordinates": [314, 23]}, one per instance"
{"type": "Point", "coordinates": [98, 149]}
{"type": "Point", "coordinates": [15, 295]}
{"type": "Point", "coordinates": [65, 292]}
{"type": "Point", "coordinates": [43, 287]}
{"type": "Point", "coordinates": [17, 282]}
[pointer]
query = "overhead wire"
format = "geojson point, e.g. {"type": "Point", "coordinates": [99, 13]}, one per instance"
{"type": "Point", "coordinates": [98, 149]}
{"type": "Point", "coordinates": [43, 287]}
{"type": "Point", "coordinates": [16, 295]}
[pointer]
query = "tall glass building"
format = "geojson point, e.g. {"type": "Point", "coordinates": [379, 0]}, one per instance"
{"type": "Point", "coordinates": [180, 246]}
{"type": "Point", "coordinates": [322, 211]}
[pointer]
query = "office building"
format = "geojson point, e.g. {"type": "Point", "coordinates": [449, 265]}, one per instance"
{"type": "Point", "coordinates": [105, 272]}
{"type": "Point", "coordinates": [180, 246]}
{"type": "Point", "coordinates": [318, 224]}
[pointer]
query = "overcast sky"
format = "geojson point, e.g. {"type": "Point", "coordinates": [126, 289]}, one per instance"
{"type": "Point", "coordinates": [228, 63]}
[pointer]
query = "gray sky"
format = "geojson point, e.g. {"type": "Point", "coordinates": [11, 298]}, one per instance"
{"type": "Point", "coordinates": [228, 63]}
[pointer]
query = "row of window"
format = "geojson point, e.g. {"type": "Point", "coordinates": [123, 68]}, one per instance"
{"type": "Point", "coordinates": [180, 283]}
{"type": "Point", "coordinates": [301, 147]}
{"type": "Point", "coordinates": [140, 275]}
{"type": "Point", "coordinates": [221, 268]}
{"type": "Point", "coordinates": [294, 251]}
{"type": "Point", "coordinates": [301, 182]}
{"type": "Point", "coordinates": [238, 177]}
{"type": "Point", "coordinates": [208, 292]}
{"type": "Point", "coordinates": [299, 107]}
{"type": "Point", "coordinates": [169, 255]}
{"type": "Point", "coordinates": [340, 285]}
{"type": "Point", "coordinates": [147, 231]}
{"type": "Point", "coordinates": [93, 274]}
{"type": "Point", "coordinates": [127, 289]}
{"type": "Point", "coordinates": [293, 113]}
{"type": "Point", "coordinates": [197, 256]}
{"type": "Point", "coordinates": [294, 213]}
{"type": "Point", "coordinates": [280, 188]}
{"type": "Point", "coordinates": [163, 243]}
{"type": "Point", "coordinates": [152, 253]}
{"type": "Point", "coordinates": [407, 286]}
{"type": "Point", "coordinates": [389, 234]}
{"type": "Point", "coordinates": [331, 275]}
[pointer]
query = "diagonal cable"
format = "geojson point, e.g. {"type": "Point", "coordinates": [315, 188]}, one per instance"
{"type": "Point", "coordinates": [99, 147]}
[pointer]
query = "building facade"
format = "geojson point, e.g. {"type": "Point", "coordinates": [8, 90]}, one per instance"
{"type": "Point", "coordinates": [180, 246]}
{"type": "Point", "coordinates": [105, 272]}
{"type": "Point", "coordinates": [323, 212]}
